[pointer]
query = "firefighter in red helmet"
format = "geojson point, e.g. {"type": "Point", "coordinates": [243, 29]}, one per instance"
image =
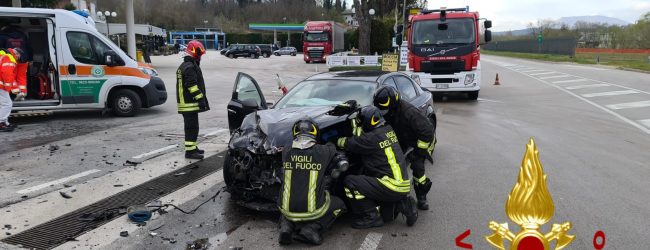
{"type": "Point", "coordinates": [191, 96]}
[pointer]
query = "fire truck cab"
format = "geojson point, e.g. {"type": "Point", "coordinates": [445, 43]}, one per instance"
{"type": "Point", "coordinates": [444, 50]}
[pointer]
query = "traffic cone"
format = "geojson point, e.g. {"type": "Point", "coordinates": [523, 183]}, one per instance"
{"type": "Point", "coordinates": [496, 81]}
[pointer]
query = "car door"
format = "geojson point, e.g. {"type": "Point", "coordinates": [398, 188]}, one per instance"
{"type": "Point", "coordinates": [246, 98]}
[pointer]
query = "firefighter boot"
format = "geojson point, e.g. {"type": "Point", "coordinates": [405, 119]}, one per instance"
{"type": "Point", "coordinates": [421, 190]}
{"type": "Point", "coordinates": [406, 206]}
{"type": "Point", "coordinates": [193, 154]}
{"type": "Point", "coordinates": [310, 234]}
{"type": "Point", "coordinates": [286, 231]}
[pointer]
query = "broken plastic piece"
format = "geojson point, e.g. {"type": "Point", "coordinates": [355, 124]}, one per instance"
{"type": "Point", "coordinates": [124, 233]}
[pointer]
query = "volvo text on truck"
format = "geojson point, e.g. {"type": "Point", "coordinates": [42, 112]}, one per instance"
{"type": "Point", "coordinates": [444, 50]}
{"type": "Point", "coordinates": [320, 39]}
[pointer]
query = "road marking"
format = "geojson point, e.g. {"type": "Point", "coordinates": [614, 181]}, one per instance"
{"type": "Point", "coordinates": [157, 151]}
{"type": "Point", "coordinates": [543, 73]}
{"type": "Point", "coordinates": [628, 121]}
{"type": "Point", "coordinates": [587, 86]}
{"type": "Point", "coordinates": [629, 105]}
{"type": "Point", "coordinates": [611, 93]}
{"type": "Point", "coordinates": [371, 242]}
{"type": "Point", "coordinates": [216, 132]}
{"type": "Point", "coordinates": [551, 77]}
{"type": "Point", "coordinates": [645, 122]}
{"type": "Point", "coordinates": [573, 80]}
{"type": "Point", "coordinates": [531, 71]}
{"type": "Point", "coordinates": [488, 100]}
{"type": "Point", "coordinates": [57, 182]}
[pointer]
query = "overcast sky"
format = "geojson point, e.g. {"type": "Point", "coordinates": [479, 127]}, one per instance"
{"type": "Point", "coordinates": [516, 14]}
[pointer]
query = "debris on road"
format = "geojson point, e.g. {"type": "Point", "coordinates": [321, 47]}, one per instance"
{"type": "Point", "coordinates": [65, 195]}
{"type": "Point", "coordinates": [53, 148]}
{"type": "Point", "coordinates": [124, 233]}
{"type": "Point", "coordinates": [199, 244]}
{"type": "Point", "coordinates": [118, 185]}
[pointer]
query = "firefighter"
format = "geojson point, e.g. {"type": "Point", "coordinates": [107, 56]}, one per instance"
{"type": "Point", "coordinates": [190, 96]}
{"type": "Point", "coordinates": [384, 179]}
{"type": "Point", "coordinates": [8, 72]}
{"type": "Point", "coordinates": [413, 130]}
{"type": "Point", "coordinates": [305, 202]}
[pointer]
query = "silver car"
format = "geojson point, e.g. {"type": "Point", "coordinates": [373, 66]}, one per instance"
{"type": "Point", "coordinates": [286, 51]}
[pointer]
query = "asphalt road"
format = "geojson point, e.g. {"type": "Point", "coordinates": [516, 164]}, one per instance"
{"type": "Point", "coordinates": [591, 125]}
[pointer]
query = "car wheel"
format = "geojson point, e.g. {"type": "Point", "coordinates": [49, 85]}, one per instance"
{"type": "Point", "coordinates": [293, 54]}
{"type": "Point", "coordinates": [231, 56]}
{"type": "Point", "coordinates": [277, 54]}
{"type": "Point", "coordinates": [472, 95]}
{"type": "Point", "coordinates": [229, 172]}
{"type": "Point", "coordinates": [125, 102]}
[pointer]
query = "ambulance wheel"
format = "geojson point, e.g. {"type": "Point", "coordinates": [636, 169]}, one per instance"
{"type": "Point", "coordinates": [472, 95]}
{"type": "Point", "coordinates": [125, 102]}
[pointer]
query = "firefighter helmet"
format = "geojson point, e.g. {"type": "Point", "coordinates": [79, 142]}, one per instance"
{"type": "Point", "coordinates": [371, 118]}
{"type": "Point", "coordinates": [386, 98]}
{"type": "Point", "coordinates": [305, 128]}
{"type": "Point", "coordinates": [195, 49]}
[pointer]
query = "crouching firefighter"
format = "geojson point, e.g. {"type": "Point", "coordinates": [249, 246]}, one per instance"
{"type": "Point", "coordinates": [190, 96]}
{"type": "Point", "coordinates": [384, 179]}
{"type": "Point", "coordinates": [305, 202]}
{"type": "Point", "coordinates": [413, 131]}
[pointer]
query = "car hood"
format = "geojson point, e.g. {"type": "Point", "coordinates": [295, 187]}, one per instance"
{"type": "Point", "coordinates": [272, 128]}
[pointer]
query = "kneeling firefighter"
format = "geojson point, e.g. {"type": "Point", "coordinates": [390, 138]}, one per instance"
{"type": "Point", "coordinates": [305, 202]}
{"type": "Point", "coordinates": [414, 130]}
{"type": "Point", "coordinates": [384, 178]}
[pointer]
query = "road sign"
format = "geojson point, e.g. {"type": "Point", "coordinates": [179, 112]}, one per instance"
{"type": "Point", "coordinates": [389, 62]}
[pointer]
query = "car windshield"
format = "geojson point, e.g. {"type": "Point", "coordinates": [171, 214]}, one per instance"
{"type": "Point", "coordinates": [328, 92]}
{"type": "Point", "coordinates": [428, 32]}
{"type": "Point", "coordinates": [316, 37]}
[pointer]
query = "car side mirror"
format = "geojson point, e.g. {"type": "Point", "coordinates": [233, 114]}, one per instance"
{"type": "Point", "coordinates": [112, 59]}
{"type": "Point", "coordinates": [488, 36]}
{"type": "Point", "coordinates": [250, 104]}
{"type": "Point", "coordinates": [487, 24]}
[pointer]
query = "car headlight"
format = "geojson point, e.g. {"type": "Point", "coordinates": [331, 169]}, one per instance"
{"type": "Point", "coordinates": [148, 71]}
{"type": "Point", "coordinates": [469, 79]}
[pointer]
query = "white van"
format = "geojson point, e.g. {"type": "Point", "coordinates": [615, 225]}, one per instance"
{"type": "Point", "coordinates": [73, 66]}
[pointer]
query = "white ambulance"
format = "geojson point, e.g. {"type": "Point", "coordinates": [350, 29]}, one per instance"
{"type": "Point", "coordinates": [73, 66]}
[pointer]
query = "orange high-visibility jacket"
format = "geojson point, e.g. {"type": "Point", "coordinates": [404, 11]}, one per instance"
{"type": "Point", "coordinates": [7, 72]}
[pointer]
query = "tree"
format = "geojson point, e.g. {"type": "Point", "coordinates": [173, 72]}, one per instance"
{"type": "Point", "coordinates": [69, 6]}
{"type": "Point", "coordinates": [361, 8]}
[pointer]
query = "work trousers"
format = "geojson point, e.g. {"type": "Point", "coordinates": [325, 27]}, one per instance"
{"type": "Point", "coordinates": [191, 123]}
{"type": "Point", "coordinates": [365, 192]}
{"type": "Point", "coordinates": [417, 165]}
{"type": "Point", "coordinates": [336, 209]}
{"type": "Point", "coordinates": [5, 106]}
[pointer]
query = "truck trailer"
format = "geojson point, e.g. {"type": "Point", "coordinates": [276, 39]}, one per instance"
{"type": "Point", "coordinates": [320, 39]}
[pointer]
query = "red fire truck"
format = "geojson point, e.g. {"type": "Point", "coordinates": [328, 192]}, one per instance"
{"type": "Point", "coordinates": [321, 38]}
{"type": "Point", "coordinates": [444, 51]}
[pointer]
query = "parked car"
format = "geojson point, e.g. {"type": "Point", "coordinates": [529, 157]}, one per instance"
{"type": "Point", "coordinates": [243, 50]}
{"type": "Point", "coordinates": [266, 50]}
{"type": "Point", "coordinates": [223, 51]}
{"type": "Point", "coordinates": [286, 51]}
{"type": "Point", "coordinates": [253, 165]}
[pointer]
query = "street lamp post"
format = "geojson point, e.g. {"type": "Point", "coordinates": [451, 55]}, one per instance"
{"type": "Point", "coordinates": [106, 15]}
{"type": "Point", "coordinates": [372, 13]}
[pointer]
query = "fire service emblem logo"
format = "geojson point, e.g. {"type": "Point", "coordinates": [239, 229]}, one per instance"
{"type": "Point", "coordinates": [530, 206]}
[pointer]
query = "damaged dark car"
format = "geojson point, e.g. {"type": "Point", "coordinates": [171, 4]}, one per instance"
{"type": "Point", "coordinates": [253, 166]}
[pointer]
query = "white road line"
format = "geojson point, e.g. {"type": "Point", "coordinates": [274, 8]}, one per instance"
{"type": "Point", "coordinates": [531, 71]}
{"type": "Point", "coordinates": [543, 73]}
{"type": "Point", "coordinates": [645, 122]}
{"type": "Point", "coordinates": [215, 132]}
{"type": "Point", "coordinates": [587, 86]}
{"type": "Point", "coordinates": [551, 77]}
{"type": "Point", "coordinates": [617, 85]}
{"type": "Point", "coordinates": [572, 80]}
{"type": "Point", "coordinates": [140, 156]}
{"type": "Point", "coordinates": [371, 242]}
{"type": "Point", "coordinates": [57, 182]}
{"type": "Point", "coordinates": [611, 93]}
{"type": "Point", "coordinates": [629, 105]}
{"type": "Point", "coordinates": [628, 121]}
{"type": "Point", "coordinates": [488, 100]}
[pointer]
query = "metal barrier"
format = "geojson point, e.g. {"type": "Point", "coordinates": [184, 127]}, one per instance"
{"type": "Point", "coordinates": [558, 46]}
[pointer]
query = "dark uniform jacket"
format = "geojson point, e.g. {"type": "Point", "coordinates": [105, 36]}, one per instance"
{"type": "Point", "coordinates": [304, 195]}
{"type": "Point", "coordinates": [190, 87]}
{"type": "Point", "coordinates": [412, 127]}
{"type": "Point", "coordinates": [382, 157]}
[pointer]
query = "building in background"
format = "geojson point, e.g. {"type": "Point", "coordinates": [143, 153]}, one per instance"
{"type": "Point", "coordinates": [350, 18]}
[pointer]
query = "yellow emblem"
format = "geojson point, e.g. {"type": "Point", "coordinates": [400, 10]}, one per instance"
{"type": "Point", "coordinates": [386, 103]}
{"type": "Point", "coordinates": [313, 131]}
{"type": "Point", "coordinates": [530, 206]}
{"type": "Point", "coordinates": [372, 121]}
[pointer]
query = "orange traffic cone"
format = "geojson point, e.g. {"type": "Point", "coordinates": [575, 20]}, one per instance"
{"type": "Point", "coordinates": [496, 81]}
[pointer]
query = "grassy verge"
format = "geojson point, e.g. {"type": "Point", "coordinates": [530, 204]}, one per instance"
{"type": "Point", "coordinates": [633, 61]}
{"type": "Point", "coordinates": [371, 68]}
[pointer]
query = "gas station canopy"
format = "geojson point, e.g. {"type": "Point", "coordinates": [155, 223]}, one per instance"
{"type": "Point", "coordinates": [277, 26]}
